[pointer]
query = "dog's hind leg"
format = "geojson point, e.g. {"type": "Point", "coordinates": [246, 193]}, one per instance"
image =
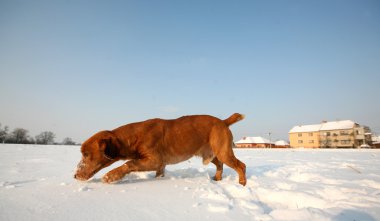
{"type": "Point", "coordinates": [230, 160]}
{"type": "Point", "coordinates": [219, 169]}
{"type": "Point", "coordinates": [221, 144]}
{"type": "Point", "coordinates": [160, 172]}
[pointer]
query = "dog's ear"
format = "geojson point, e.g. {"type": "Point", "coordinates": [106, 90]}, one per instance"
{"type": "Point", "coordinates": [111, 149]}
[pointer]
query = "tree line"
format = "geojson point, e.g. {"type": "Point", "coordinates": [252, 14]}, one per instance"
{"type": "Point", "coordinates": [21, 136]}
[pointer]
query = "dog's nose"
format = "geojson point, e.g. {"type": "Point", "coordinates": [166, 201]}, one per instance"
{"type": "Point", "coordinates": [75, 176]}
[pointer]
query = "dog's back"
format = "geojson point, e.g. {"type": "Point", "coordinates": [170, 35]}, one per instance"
{"type": "Point", "coordinates": [180, 139]}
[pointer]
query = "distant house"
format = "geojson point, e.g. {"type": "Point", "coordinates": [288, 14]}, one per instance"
{"type": "Point", "coordinates": [376, 141]}
{"type": "Point", "coordinates": [333, 134]}
{"type": "Point", "coordinates": [281, 144]}
{"type": "Point", "coordinates": [254, 142]}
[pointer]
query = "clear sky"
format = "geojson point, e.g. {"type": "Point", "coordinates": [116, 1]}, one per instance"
{"type": "Point", "coordinates": [77, 67]}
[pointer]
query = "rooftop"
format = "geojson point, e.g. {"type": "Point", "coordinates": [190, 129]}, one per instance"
{"type": "Point", "coordinates": [338, 125]}
{"type": "Point", "coordinates": [258, 140]}
{"type": "Point", "coordinates": [331, 125]}
{"type": "Point", "coordinates": [305, 128]}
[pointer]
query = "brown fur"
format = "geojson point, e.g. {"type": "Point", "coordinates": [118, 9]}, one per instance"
{"type": "Point", "coordinates": [155, 143]}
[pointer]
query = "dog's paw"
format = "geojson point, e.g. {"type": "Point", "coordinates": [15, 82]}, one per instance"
{"type": "Point", "coordinates": [243, 181]}
{"type": "Point", "coordinates": [159, 175]}
{"type": "Point", "coordinates": [112, 177]}
{"type": "Point", "coordinates": [217, 178]}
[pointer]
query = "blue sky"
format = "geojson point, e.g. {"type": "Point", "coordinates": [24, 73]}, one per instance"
{"type": "Point", "coordinates": [77, 67]}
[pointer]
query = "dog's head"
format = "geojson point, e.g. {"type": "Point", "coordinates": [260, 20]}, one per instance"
{"type": "Point", "coordinates": [98, 152]}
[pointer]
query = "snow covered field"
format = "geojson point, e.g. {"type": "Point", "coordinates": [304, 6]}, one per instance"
{"type": "Point", "coordinates": [36, 183]}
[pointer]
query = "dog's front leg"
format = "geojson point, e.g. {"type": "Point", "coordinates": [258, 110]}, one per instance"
{"type": "Point", "coordinates": [115, 174]}
{"type": "Point", "coordinates": [131, 166]}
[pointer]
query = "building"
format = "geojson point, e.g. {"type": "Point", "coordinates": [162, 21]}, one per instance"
{"type": "Point", "coordinates": [333, 134]}
{"type": "Point", "coordinates": [281, 144]}
{"type": "Point", "coordinates": [375, 141]}
{"type": "Point", "coordinates": [306, 136]}
{"type": "Point", "coordinates": [254, 142]}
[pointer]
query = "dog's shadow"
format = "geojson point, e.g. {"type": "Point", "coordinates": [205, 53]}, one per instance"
{"type": "Point", "coordinates": [139, 177]}
{"type": "Point", "coordinates": [188, 174]}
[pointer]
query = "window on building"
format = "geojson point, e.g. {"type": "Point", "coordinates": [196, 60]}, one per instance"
{"type": "Point", "coordinates": [345, 141]}
{"type": "Point", "coordinates": [311, 141]}
{"type": "Point", "coordinates": [300, 141]}
{"type": "Point", "coordinates": [344, 133]}
{"type": "Point", "coordinates": [328, 134]}
{"type": "Point", "coordinates": [310, 134]}
{"type": "Point", "coordinates": [299, 134]}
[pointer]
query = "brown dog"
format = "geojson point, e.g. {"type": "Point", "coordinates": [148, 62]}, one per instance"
{"type": "Point", "coordinates": [152, 144]}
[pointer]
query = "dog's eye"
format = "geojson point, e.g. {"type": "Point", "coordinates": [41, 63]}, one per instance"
{"type": "Point", "coordinates": [85, 154]}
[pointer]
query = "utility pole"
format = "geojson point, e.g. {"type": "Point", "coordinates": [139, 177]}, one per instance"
{"type": "Point", "coordinates": [270, 140]}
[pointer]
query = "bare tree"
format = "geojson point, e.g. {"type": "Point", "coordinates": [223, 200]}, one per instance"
{"type": "Point", "coordinates": [46, 137]}
{"type": "Point", "coordinates": [325, 140]}
{"type": "Point", "coordinates": [68, 141]}
{"type": "Point", "coordinates": [3, 133]}
{"type": "Point", "coordinates": [19, 135]}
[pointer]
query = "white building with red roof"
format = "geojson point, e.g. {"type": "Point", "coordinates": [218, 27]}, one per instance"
{"type": "Point", "coordinates": [254, 142]}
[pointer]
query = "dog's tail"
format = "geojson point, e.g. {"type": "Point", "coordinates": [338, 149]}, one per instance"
{"type": "Point", "coordinates": [233, 119]}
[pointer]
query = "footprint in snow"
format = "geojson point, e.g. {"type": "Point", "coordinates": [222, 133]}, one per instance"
{"type": "Point", "coordinates": [10, 187]}
{"type": "Point", "coordinates": [243, 198]}
{"type": "Point", "coordinates": [216, 201]}
{"type": "Point", "coordinates": [7, 185]}
{"type": "Point", "coordinates": [218, 207]}
{"type": "Point", "coordinates": [84, 189]}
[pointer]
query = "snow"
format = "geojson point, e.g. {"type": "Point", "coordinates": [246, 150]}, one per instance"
{"type": "Point", "coordinates": [305, 128]}
{"type": "Point", "coordinates": [36, 183]}
{"type": "Point", "coordinates": [281, 143]}
{"type": "Point", "coordinates": [331, 125]}
{"type": "Point", "coordinates": [338, 125]}
{"type": "Point", "coordinates": [257, 140]}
